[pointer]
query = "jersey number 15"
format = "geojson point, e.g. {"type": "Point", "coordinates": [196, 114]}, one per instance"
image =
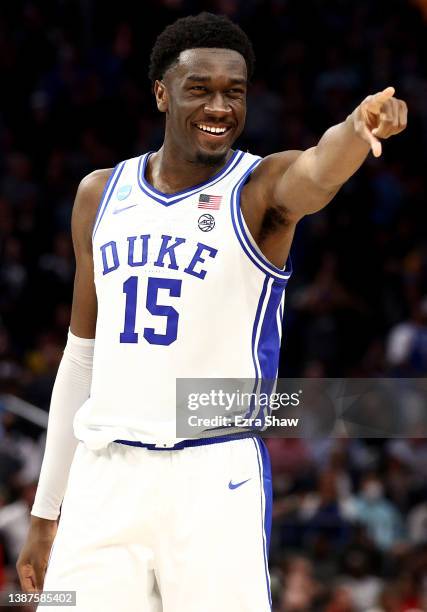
{"type": "Point", "coordinates": [130, 288]}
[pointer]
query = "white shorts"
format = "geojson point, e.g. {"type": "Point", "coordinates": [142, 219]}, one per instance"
{"type": "Point", "coordinates": [166, 531]}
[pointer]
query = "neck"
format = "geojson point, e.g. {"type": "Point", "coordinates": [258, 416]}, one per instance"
{"type": "Point", "coordinates": [169, 171]}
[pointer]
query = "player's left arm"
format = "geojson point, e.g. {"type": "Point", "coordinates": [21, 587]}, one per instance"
{"type": "Point", "coordinates": [301, 183]}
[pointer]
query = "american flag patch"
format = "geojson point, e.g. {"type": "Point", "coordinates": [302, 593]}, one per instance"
{"type": "Point", "coordinates": [210, 202]}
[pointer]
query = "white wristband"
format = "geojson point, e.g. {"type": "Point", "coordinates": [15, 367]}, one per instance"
{"type": "Point", "coordinates": [70, 391]}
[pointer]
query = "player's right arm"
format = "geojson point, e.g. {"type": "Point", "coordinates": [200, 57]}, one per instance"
{"type": "Point", "coordinates": [71, 389]}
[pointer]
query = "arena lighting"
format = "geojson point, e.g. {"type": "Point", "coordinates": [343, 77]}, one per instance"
{"type": "Point", "coordinates": [24, 409]}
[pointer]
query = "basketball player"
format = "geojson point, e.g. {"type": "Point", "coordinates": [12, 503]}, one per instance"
{"type": "Point", "coordinates": [182, 262]}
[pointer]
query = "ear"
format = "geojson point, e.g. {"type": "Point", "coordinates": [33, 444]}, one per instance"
{"type": "Point", "coordinates": [161, 96]}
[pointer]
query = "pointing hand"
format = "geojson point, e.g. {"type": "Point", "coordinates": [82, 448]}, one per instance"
{"type": "Point", "coordinates": [380, 116]}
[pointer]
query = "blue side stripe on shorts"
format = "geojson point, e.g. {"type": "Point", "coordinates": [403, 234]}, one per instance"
{"type": "Point", "coordinates": [264, 467]}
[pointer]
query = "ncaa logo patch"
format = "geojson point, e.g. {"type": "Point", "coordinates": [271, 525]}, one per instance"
{"type": "Point", "coordinates": [123, 192]}
{"type": "Point", "coordinates": [206, 223]}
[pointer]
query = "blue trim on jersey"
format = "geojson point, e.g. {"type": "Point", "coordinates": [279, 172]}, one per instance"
{"type": "Point", "coordinates": [246, 242]}
{"type": "Point", "coordinates": [172, 198]}
{"type": "Point", "coordinates": [107, 184]}
{"type": "Point", "coordinates": [268, 349]}
{"type": "Point", "coordinates": [253, 341]}
{"type": "Point", "coordinates": [266, 340]}
{"type": "Point", "coordinates": [264, 468]}
{"type": "Point", "coordinates": [281, 272]}
{"type": "Point", "coordinates": [104, 201]}
{"type": "Point", "coordinates": [190, 442]}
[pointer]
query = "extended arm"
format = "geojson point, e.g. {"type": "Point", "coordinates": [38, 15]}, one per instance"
{"type": "Point", "coordinates": [288, 185]}
{"type": "Point", "coordinates": [316, 175]}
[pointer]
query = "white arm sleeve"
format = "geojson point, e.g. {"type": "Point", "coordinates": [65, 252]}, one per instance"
{"type": "Point", "coordinates": [70, 391]}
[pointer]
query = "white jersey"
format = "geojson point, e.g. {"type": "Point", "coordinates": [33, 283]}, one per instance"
{"type": "Point", "coordinates": [183, 292]}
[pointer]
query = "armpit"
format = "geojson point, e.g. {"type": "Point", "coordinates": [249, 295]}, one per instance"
{"type": "Point", "coordinates": [274, 219]}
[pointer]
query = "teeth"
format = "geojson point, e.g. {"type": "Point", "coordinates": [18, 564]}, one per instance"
{"type": "Point", "coordinates": [212, 130]}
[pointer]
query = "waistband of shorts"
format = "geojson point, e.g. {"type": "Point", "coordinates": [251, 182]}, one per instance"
{"type": "Point", "coordinates": [188, 443]}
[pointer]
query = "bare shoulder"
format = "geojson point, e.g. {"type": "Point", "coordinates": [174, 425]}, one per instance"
{"type": "Point", "coordinates": [86, 204]}
{"type": "Point", "coordinates": [274, 166]}
{"type": "Point", "coordinates": [90, 192]}
{"type": "Point", "coordinates": [257, 195]}
{"type": "Point", "coordinates": [268, 221]}
{"type": "Point", "coordinates": [96, 179]}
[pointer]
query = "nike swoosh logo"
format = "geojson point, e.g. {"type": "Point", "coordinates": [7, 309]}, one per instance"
{"type": "Point", "coordinates": [116, 211]}
{"type": "Point", "coordinates": [234, 485]}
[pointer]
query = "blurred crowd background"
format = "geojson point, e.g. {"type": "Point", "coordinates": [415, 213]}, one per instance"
{"type": "Point", "coordinates": [350, 516]}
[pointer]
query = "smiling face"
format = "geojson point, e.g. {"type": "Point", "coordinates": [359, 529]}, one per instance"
{"type": "Point", "coordinates": [204, 97]}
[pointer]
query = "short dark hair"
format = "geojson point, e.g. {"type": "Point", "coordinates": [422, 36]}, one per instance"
{"type": "Point", "coordinates": [203, 30]}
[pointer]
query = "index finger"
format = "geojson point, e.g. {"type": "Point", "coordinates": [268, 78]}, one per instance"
{"type": "Point", "coordinates": [378, 99]}
{"type": "Point", "coordinates": [27, 579]}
